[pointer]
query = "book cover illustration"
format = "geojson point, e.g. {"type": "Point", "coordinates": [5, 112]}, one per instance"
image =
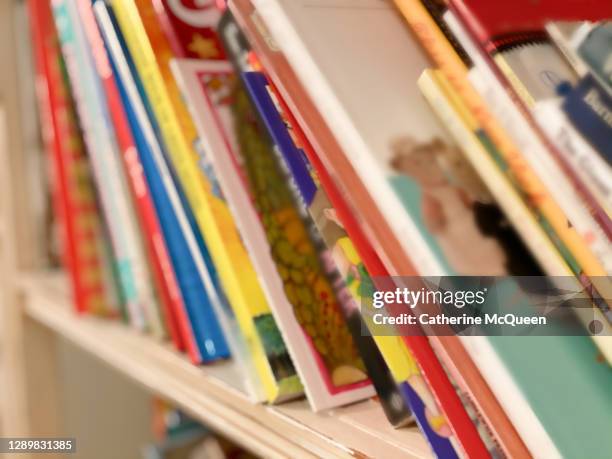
{"type": "Point", "coordinates": [366, 217]}
{"type": "Point", "coordinates": [302, 299]}
{"type": "Point", "coordinates": [151, 52]}
{"type": "Point", "coordinates": [200, 319]}
{"type": "Point", "coordinates": [355, 277]}
{"type": "Point", "coordinates": [109, 175]}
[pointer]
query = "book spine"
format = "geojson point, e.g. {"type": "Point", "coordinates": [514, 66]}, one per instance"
{"type": "Point", "coordinates": [108, 171]}
{"type": "Point", "coordinates": [455, 70]}
{"type": "Point", "coordinates": [593, 242]}
{"type": "Point", "coordinates": [199, 326]}
{"type": "Point", "coordinates": [162, 270]}
{"type": "Point", "coordinates": [302, 181]}
{"type": "Point", "coordinates": [191, 31]}
{"type": "Point", "coordinates": [212, 215]}
{"type": "Point", "coordinates": [74, 198]}
{"type": "Point", "coordinates": [432, 88]}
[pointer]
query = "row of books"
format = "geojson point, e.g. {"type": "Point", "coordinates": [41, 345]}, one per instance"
{"type": "Point", "coordinates": [240, 177]}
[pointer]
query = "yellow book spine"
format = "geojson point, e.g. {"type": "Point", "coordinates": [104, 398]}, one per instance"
{"type": "Point", "coordinates": [213, 217]}
{"type": "Point", "coordinates": [456, 72]}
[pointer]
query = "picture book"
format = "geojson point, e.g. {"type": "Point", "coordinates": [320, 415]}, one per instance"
{"type": "Point", "coordinates": [359, 220]}
{"type": "Point", "coordinates": [152, 53]}
{"type": "Point", "coordinates": [591, 249]}
{"type": "Point", "coordinates": [589, 107]}
{"type": "Point", "coordinates": [162, 272]}
{"type": "Point", "coordinates": [343, 267]}
{"type": "Point", "coordinates": [567, 35]}
{"type": "Point", "coordinates": [510, 156]}
{"type": "Point", "coordinates": [82, 235]}
{"type": "Point", "coordinates": [301, 298]}
{"type": "Point", "coordinates": [190, 27]}
{"type": "Point", "coordinates": [199, 318]}
{"type": "Point", "coordinates": [108, 171]}
{"type": "Point", "coordinates": [517, 57]}
{"type": "Point", "coordinates": [464, 129]}
{"type": "Point", "coordinates": [503, 150]}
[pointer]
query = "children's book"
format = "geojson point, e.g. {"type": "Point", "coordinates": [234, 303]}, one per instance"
{"type": "Point", "coordinates": [197, 321]}
{"type": "Point", "coordinates": [522, 68]}
{"type": "Point", "coordinates": [301, 297]}
{"type": "Point", "coordinates": [510, 157]}
{"type": "Point", "coordinates": [109, 173]}
{"type": "Point", "coordinates": [82, 236]}
{"type": "Point", "coordinates": [212, 218]}
{"type": "Point", "coordinates": [157, 254]}
{"type": "Point", "coordinates": [190, 27]}
{"type": "Point", "coordinates": [343, 267]}
{"type": "Point", "coordinates": [345, 195]}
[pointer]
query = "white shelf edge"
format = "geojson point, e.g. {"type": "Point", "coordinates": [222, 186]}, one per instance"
{"type": "Point", "coordinates": [210, 393]}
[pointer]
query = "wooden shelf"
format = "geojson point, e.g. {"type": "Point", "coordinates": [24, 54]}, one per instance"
{"type": "Point", "coordinates": [212, 394]}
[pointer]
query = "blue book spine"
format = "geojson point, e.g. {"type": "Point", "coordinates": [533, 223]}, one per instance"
{"type": "Point", "coordinates": [190, 258]}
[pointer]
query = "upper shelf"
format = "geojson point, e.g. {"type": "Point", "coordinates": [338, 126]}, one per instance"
{"type": "Point", "coordinates": [212, 393]}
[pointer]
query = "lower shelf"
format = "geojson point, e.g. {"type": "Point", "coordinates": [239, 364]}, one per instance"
{"type": "Point", "coordinates": [212, 393]}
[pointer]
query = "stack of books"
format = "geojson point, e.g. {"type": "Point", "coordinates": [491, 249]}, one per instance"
{"type": "Point", "coordinates": [241, 177]}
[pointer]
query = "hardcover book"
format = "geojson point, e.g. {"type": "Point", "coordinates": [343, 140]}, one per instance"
{"type": "Point", "coordinates": [302, 300]}
{"type": "Point", "coordinates": [198, 318]}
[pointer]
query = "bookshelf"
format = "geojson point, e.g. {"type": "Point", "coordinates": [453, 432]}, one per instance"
{"type": "Point", "coordinates": [212, 395]}
{"type": "Point", "coordinates": [36, 312]}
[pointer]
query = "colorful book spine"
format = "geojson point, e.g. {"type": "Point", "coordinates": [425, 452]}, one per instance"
{"type": "Point", "coordinates": [198, 324]}
{"type": "Point", "coordinates": [343, 195]}
{"type": "Point", "coordinates": [152, 53]}
{"type": "Point", "coordinates": [109, 173]}
{"type": "Point", "coordinates": [298, 292]}
{"type": "Point", "coordinates": [333, 244]}
{"type": "Point", "coordinates": [75, 202]}
{"type": "Point", "coordinates": [464, 129]}
{"type": "Point", "coordinates": [537, 195]}
{"type": "Point", "coordinates": [157, 253]}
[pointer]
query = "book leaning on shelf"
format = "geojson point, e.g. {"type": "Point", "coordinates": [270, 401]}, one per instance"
{"type": "Point", "coordinates": [198, 324]}
{"type": "Point", "coordinates": [85, 251]}
{"type": "Point", "coordinates": [109, 175]}
{"type": "Point", "coordinates": [151, 52]}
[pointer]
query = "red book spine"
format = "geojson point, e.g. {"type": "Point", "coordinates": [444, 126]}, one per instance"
{"type": "Point", "coordinates": [190, 27]}
{"type": "Point", "coordinates": [74, 199]}
{"type": "Point", "coordinates": [163, 272]}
